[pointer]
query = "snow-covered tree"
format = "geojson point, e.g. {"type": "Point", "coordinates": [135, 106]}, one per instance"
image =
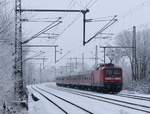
{"type": "Point", "coordinates": [142, 51]}
{"type": "Point", "coordinates": [6, 53]}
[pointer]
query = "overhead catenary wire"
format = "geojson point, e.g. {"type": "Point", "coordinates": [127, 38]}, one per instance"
{"type": "Point", "coordinates": [70, 5]}
{"type": "Point", "coordinates": [36, 55]}
{"type": "Point", "coordinates": [93, 3]}
{"type": "Point", "coordinates": [107, 18]}
{"type": "Point", "coordinates": [77, 17]}
{"type": "Point", "coordinates": [76, 1]}
{"type": "Point", "coordinates": [6, 65]}
{"type": "Point", "coordinates": [35, 35]}
{"type": "Point", "coordinates": [44, 30]}
{"type": "Point", "coordinates": [112, 21]}
{"type": "Point", "coordinates": [63, 56]}
{"type": "Point", "coordinates": [72, 22]}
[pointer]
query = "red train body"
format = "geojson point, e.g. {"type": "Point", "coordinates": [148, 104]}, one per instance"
{"type": "Point", "coordinates": [107, 78]}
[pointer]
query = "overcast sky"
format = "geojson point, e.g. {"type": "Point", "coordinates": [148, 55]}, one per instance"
{"type": "Point", "coordinates": [130, 12]}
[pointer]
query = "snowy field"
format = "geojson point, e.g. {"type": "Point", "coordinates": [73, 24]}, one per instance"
{"type": "Point", "coordinates": [85, 105]}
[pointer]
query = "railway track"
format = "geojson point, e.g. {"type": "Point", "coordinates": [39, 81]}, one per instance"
{"type": "Point", "coordinates": [65, 112]}
{"type": "Point", "coordinates": [134, 106]}
{"type": "Point", "coordinates": [60, 107]}
{"type": "Point", "coordinates": [134, 97]}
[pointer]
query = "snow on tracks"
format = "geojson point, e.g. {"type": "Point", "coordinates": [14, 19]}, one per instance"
{"type": "Point", "coordinates": [61, 102]}
{"type": "Point", "coordinates": [91, 104]}
{"type": "Point", "coordinates": [116, 101]}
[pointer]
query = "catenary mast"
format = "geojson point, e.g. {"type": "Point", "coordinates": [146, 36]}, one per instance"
{"type": "Point", "coordinates": [18, 52]}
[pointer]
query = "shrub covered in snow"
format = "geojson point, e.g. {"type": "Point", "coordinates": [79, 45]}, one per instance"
{"type": "Point", "coordinates": [142, 86]}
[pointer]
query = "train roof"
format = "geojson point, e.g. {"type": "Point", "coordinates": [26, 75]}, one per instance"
{"type": "Point", "coordinates": [107, 65]}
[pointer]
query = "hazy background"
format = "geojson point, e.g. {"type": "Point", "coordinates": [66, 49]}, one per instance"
{"type": "Point", "coordinates": [128, 13]}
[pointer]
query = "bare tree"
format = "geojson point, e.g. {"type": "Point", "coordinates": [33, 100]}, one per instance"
{"type": "Point", "coordinates": [6, 50]}
{"type": "Point", "coordinates": [142, 51]}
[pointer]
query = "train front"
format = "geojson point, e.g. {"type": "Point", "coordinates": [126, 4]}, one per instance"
{"type": "Point", "coordinates": [112, 78]}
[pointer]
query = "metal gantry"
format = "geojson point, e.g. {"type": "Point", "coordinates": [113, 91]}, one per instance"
{"type": "Point", "coordinates": [62, 10]}
{"type": "Point", "coordinates": [115, 47]}
{"type": "Point", "coordinates": [18, 41]}
{"type": "Point", "coordinates": [18, 52]}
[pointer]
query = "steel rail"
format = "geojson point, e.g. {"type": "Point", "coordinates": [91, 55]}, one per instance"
{"type": "Point", "coordinates": [134, 97]}
{"type": "Point", "coordinates": [65, 100]}
{"type": "Point", "coordinates": [105, 99]}
{"type": "Point", "coordinates": [50, 101]}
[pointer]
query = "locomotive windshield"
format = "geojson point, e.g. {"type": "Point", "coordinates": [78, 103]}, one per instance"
{"type": "Point", "coordinates": [113, 71]}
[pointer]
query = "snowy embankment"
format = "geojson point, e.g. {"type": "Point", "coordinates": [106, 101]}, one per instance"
{"type": "Point", "coordinates": [40, 105]}
{"type": "Point", "coordinates": [141, 87]}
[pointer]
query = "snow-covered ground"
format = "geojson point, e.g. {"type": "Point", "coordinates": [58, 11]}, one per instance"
{"type": "Point", "coordinates": [43, 106]}
{"type": "Point", "coordinates": [134, 93]}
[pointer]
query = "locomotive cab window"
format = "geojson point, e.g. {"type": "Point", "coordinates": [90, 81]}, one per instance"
{"type": "Point", "coordinates": [117, 71]}
{"type": "Point", "coordinates": [113, 72]}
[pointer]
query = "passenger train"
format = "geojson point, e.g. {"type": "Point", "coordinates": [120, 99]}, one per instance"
{"type": "Point", "coordinates": [106, 78]}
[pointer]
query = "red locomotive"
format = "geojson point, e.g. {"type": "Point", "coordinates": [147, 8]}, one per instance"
{"type": "Point", "coordinates": [107, 78]}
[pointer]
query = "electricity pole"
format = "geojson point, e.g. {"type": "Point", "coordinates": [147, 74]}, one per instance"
{"type": "Point", "coordinates": [40, 72]}
{"type": "Point", "coordinates": [55, 54]}
{"type": "Point", "coordinates": [104, 55]}
{"type": "Point", "coordinates": [96, 56]}
{"type": "Point", "coordinates": [70, 65]}
{"type": "Point", "coordinates": [76, 61]}
{"type": "Point", "coordinates": [18, 53]}
{"type": "Point", "coordinates": [134, 58]}
{"type": "Point", "coordinates": [83, 62]}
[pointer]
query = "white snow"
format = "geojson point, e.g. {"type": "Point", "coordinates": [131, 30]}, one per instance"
{"type": "Point", "coordinates": [42, 106]}
{"type": "Point", "coordinates": [135, 93]}
{"type": "Point", "coordinates": [97, 107]}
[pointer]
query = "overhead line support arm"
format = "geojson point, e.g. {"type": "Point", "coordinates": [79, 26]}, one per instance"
{"type": "Point", "coordinates": [112, 21]}
{"type": "Point", "coordinates": [116, 47]}
{"type": "Point", "coordinates": [40, 45]}
{"type": "Point", "coordinates": [59, 10]}
{"type": "Point", "coordinates": [50, 10]}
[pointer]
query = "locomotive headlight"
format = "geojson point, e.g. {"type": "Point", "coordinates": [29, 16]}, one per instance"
{"type": "Point", "coordinates": [108, 78]}
{"type": "Point", "coordinates": [117, 78]}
